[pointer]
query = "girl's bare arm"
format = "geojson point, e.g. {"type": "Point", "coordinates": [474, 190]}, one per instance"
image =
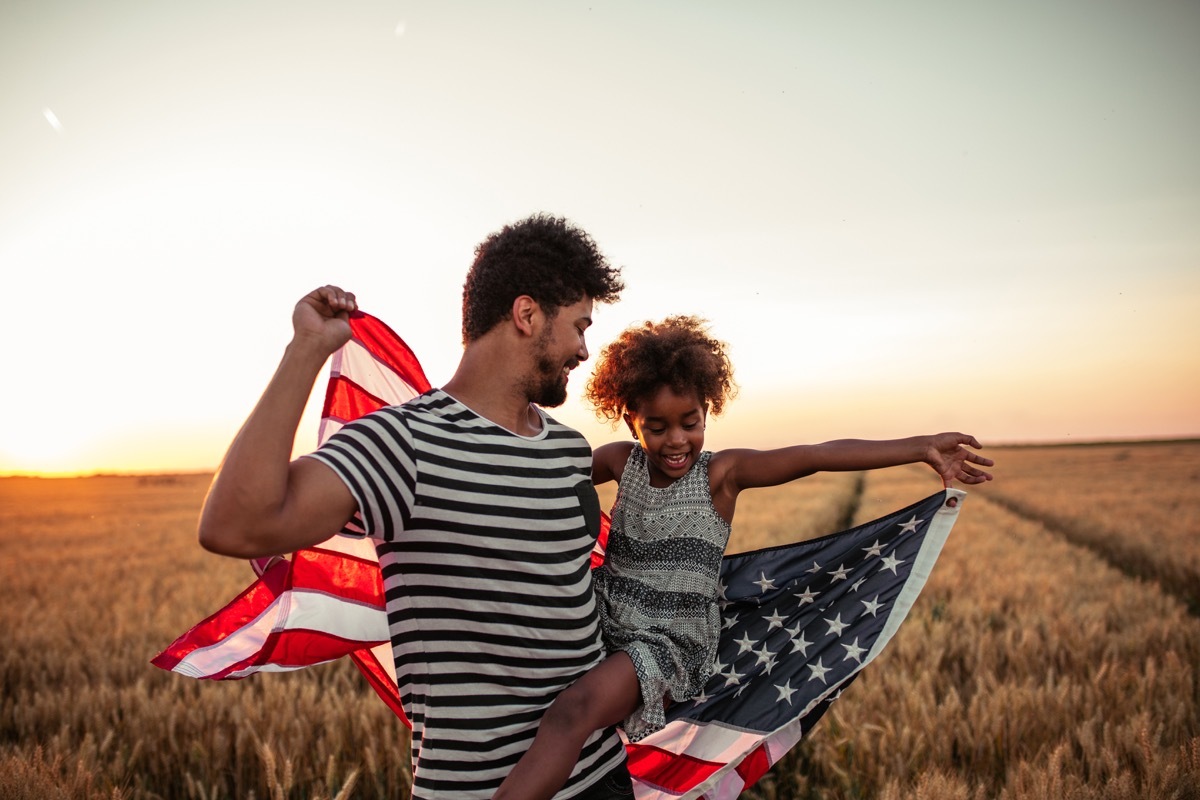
{"type": "Point", "coordinates": [608, 461]}
{"type": "Point", "coordinates": [946, 453]}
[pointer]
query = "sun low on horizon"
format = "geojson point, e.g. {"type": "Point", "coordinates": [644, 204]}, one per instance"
{"type": "Point", "coordinates": [900, 219]}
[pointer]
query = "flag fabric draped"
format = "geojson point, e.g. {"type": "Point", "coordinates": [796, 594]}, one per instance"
{"type": "Point", "coordinates": [326, 602]}
{"type": "Point", "coordinates": [800, 620]}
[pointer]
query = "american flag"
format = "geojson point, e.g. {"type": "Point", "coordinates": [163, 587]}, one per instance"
{"type": "Point", "coordinates": [800, 620]}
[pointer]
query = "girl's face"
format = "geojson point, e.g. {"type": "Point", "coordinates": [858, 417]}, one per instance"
{"type": "Point", "coordinates": [670, 428]}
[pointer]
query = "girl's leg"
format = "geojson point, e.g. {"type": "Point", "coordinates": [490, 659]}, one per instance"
{"type": "Point", "coordinates": [604, 696]}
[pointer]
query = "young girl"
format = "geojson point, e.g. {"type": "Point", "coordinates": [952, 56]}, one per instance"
{"type": "Point", "coordinates": [657, 590]}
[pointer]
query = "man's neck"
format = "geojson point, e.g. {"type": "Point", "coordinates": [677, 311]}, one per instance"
{"type": "Point", "coordinates": [489, 387]}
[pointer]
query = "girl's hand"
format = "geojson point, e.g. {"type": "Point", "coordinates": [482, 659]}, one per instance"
{"type": "Point", "coordinates": [950, 459]}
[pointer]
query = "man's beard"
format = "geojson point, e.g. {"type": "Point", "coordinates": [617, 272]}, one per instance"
{"type": "Point", "coordinates": [548, 388]}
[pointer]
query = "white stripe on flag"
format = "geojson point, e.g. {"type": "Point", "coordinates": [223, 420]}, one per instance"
{"type": "Point", "coordinates": [291, 611]}
{"type": "Point", "coordinates": [359, 365]}
{"type": "Point", "coordinates": [939, 530]}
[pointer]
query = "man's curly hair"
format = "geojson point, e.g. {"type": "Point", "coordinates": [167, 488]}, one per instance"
{"type": "Point", "coordinates": [677, 352]}
{"type": "Point", "coordinates": [545, 257]}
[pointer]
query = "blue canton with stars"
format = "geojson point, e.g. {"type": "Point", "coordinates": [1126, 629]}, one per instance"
{"type": "Point", "coordinates": [800, 620]}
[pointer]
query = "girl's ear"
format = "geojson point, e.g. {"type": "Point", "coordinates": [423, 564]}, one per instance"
{"type": "Point", "coordinates": [629, 422]}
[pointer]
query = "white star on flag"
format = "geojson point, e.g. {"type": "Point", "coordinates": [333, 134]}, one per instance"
{"type": "Point", "coordinates": [853, 651]}
{"type": "Point", "coordinates": [807, 596]}
{"type": "Point", "coordinates": [764, 582]}
{"type": "Point", "coordinates": [798, 640]}
{"type": "Point", "coordinates": [836, 626]}
{"type": "Point", "coordinates": [766, 657]}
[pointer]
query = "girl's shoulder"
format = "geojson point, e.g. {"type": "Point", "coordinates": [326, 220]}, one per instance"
{"type": "Point", "coordinates": [609, 460]}
{"type": "Point", "coordinates": [720, 462]}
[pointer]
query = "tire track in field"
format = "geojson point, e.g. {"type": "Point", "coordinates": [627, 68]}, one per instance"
{"type": "Point", "coordinates": [850, 509]}
{"type": "Point", "coordinates": [1128, 558]}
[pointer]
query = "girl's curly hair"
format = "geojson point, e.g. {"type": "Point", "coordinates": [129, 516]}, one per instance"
{"type": "Point", "coordinates": [677, 352]}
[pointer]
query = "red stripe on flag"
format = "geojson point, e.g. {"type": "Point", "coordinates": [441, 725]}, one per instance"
{"type": "Point", "coordinates": [344, 576]}
{"type": "Point", "coordinates": [346, 400]}
{"type": "Point", "coordinates": [754, 766]}
{"type": "Point", "coordinates": [672, 772]}
{"type": "Point", "coordinates": [298, 647]}
{"type": "Point", "coordinates": [601, 541]}
{"type": "Point", "coordinates": [383, 343]}
{"type": "Point", "coordinates": [239, 612]}
{"type": "Point", "coordinates": [381, 681]}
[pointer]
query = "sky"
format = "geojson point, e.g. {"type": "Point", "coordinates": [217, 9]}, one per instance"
{"type": "Point", "coordinates": [901, 217]}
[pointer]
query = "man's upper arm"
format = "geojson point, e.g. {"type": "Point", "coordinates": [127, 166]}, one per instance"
{"type": "Point", "coordinates": [321, 502]}
{"type": "Point", "coordinates": [238, 521]}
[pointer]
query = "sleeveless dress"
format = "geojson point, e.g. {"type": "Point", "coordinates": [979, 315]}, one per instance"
{"type": "Point", "coordinates": [657, 589]}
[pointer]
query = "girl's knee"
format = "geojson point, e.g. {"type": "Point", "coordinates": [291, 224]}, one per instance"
{"type": "Point", "coordinates": [572, 711]}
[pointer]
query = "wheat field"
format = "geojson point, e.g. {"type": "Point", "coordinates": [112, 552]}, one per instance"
{"type": "Point", "coordinates": [1055, 651]}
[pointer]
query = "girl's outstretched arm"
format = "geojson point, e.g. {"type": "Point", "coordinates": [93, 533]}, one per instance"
{"type": "Point", "coordinates": [947, 453]}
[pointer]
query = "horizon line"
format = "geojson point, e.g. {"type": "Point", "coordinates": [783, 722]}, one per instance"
{"type": "Point", "coordinates": [164, 473]}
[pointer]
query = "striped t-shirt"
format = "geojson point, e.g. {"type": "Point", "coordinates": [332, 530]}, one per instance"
{"type": "Point", "coordinates": [484, 539]}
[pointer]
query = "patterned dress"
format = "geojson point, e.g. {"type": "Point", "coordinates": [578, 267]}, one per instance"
{"type": "Point", "coordinates": [657, 590]}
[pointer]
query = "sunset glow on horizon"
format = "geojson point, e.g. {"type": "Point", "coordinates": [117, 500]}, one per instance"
{"type": "Point", "coordinates": [902, 219]}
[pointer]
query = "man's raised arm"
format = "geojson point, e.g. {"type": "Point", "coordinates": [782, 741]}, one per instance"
{"type": "Point", "coordinates": [261, 503]}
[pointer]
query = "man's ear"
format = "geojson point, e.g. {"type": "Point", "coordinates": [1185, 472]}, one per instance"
{"type": "Point", "coordinates": [525, 311]}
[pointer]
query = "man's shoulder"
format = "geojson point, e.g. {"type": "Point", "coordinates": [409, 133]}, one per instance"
{"type": "Point", "coordinates": [431, 401]}
{"type": "Point", "coordinates": [559, 430]}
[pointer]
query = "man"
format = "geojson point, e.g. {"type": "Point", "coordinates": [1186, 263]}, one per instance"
{"type": "Point", "coordinates": [481, 507]}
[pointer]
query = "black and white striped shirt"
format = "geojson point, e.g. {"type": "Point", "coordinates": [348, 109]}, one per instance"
{"type": "Point", "coordinates": [484, 539]}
